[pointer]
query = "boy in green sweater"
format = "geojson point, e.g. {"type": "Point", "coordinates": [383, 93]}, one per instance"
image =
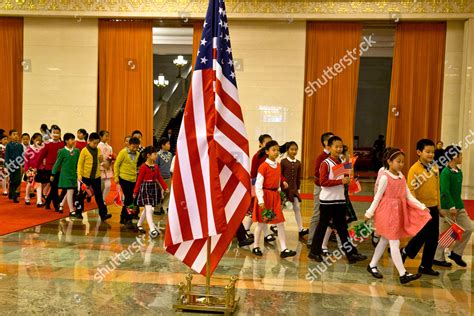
{"type": "Point", "coordinates": [452, 206]}
{"type": "Point", "coordinates": [14, 161]}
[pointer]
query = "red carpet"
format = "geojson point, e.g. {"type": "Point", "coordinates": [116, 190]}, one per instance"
{"type": "Point", "coordinates": [468, 204]}
{"type": "Point", "coordinates": [16, 217]}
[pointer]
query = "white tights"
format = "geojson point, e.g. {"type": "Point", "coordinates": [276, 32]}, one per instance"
{"type": "Point", "coordinates": [148, 213]}
{"type": "Point", "coordinates": [69, 198]}
{"type": "Point", "coordinates": [281, 234]}
{"type": "Point", "coordinates": [105, 188]}
{"type": "Point", "coordinates": [394, 253]}
{"type": "Point", "coordinates": [297, 210]}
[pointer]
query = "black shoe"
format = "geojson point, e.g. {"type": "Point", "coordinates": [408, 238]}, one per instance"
{"type": "Point", "coordinates": [428, 271]}
{"type": "Point", "coordinates": [408, 277]}
{"type": "Point", "coordinates": [303, 232]}
{"type": "Point", "coordinates": [458, 259]}
{"type": "Point", "coordinates": [375, 272]}
{"type": "Point", "coordinates": [249, 234]}
{"type": "Point", "coordinates": [60, 209]}
{"type": "Point", "coordinates": [79, 215]}
{"type": "Point", "coordinates": [105, 217]}
{"type": "Point", "coordinates": [269, 238]}
{"type": "Point", "coordinates": [326, 252]}
{"type": "Point", "coordinates": [15, 200]}
{"type": "Point", "coordinates": [256, 251]}
{"type": "Point", "coordinates": [404, 255]}
{"type": "Point", "coordinates": [154, 234]}
{"type": "Point", "coordinates": [27, 203]}
{"type": "Point", "coordinates": [246, 242]}
{"type": "Point", "coordinates": [274, 229]}
{"type": "Point", "coordinates": [141, 230]}
{"type": "Point", "coordinates": [47, 206]}
{"type": "Point", "coordinates": [356, 257]}
{"type": "Point", "coordinates": [315, 257]}
{"type": "Point", "coordinates": [442, 263]}
{"type": "Point", "coordinates": [287, 253]}
{"type": "Point", "coordinates": [72, 214]}
{"type": "Point", "coordinates": [40, 205]}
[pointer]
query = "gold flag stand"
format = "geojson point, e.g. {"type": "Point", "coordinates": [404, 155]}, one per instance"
{"type": "Point", "coordinates": [207, 298]}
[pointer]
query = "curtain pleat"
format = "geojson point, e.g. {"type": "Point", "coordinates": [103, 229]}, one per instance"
{"type": "Point", "coordinates": [11, 73]}
{"type": "Point", "coordinates": [330, 94]}
{"type": "Point", "coordinates": [126, 79]}
{"type": "Point", "coordinates": [417, 86]}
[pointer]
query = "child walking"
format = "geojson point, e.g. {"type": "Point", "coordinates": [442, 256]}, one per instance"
{"type": "Point", "coordinates": [147, 191]}
{"type": "Point", "coordinates": [3, 169]}
{"type": "Point", "coordinates": [32, 165]}
{"type": "Point", "coordinates": [88, 172]}
{"type": "Point", "coordinates": [291, 172]}
{"type": "Point", "coordinates": [333, 206]}
{"type": "Point", "coordinates": [106, 169]}
{"type": "Point", "coordinates": [423, 182]}
{"type": "Point", "coordinates": [267, 187]}
{"type": "Point", "coordinates": [397, 215]}
{"type": "Point", "coordinates": [164, 163]}
{"type": "Point", "coordinates": [67, 163]}
{"type": "Point", "coordinates": [81, 141]}
{"type": "Point", "coordinates": [14, 154]}
{"type": "Point", "coordinates": [452, 206]}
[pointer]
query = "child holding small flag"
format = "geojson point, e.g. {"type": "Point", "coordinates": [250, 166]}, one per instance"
{"type": "Point", "coordinates": [397, 215]}
{"type": "Point", "coordinates": [267, 208]}
{"type": "Point", "coordinates": [333, 205]}
{"type": "Point", "coordinates": [452, 206]}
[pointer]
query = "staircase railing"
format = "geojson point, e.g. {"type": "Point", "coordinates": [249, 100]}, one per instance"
{"type": "Point", "coordinates": [167, 108]}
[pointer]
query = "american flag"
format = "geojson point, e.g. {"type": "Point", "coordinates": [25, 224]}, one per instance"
{"type": "Point", "coordinates": [453, 233]}
{"type": "Point", "coordinates": [211, 182]}
{"type": "Point", "coordinates": [344, 168]}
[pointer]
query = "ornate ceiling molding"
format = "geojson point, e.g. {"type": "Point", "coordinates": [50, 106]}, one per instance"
{"type": "Point", "coordinates": [237, 8]}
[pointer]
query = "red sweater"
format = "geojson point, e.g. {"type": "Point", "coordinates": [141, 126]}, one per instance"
{"type": "Point", "coordinates": [322, 156]}
{"type": "Point", "coordinates": [256, 162]}
{"type": "Point", "coordinates": [81, 144]}
{"type": "Point", "coordinates": [50, 153]}
{"type": "Point", "coordinates": [147, 173]}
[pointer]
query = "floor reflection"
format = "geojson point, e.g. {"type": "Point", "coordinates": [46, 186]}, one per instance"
{"type": "Point", "coordinates": [86, 266]}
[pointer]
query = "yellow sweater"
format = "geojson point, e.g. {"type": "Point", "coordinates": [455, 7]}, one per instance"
{"type": "Point", "coordinates": [424, 184]}
{"type": "Point", "coordinates": [84, 165]}
{"type": "Point", "coordinates": [125, 167]}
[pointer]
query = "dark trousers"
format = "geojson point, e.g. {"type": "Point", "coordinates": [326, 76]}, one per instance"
{"type": "Point", "coordinates": [428, 236]}
{"type": "Point", "coordinates": [336, 212]}
{"type": "Point", "coordinates": [97, 187]}
{"type": "Point", "coordinates": [53, 195]}
{"type": "Point", "coordinates": [241, 233]}
{"type": "Point", "coordinates": [15, 182]}
{"type": "Point", "coordinates": [127, 189]}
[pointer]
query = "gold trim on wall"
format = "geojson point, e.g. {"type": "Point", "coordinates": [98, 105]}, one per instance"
{"type": "Point", "coordinates": [237, 8]}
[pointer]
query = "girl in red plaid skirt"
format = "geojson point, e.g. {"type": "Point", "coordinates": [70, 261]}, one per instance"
{"type": "Point", "coordinates": [147, 189]}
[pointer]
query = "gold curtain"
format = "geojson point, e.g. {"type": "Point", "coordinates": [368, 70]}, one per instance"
{"type": "Point", "coordinates": [197, 32]}
{"type": "Point", "coordinates": [417, 86]}
{"type": "Point", "coordinates": [330, 95]}
{"type": "Point", "coordinates": [126, 79]}
{"type": "Point", "coordinates": [11, 73]}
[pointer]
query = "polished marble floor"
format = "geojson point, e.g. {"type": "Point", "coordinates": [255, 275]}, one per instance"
{"type": "Point", "coordinates": [55, 269]}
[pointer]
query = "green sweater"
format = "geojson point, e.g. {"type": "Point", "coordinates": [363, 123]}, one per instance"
{"type": "Point", "coordinates": [125, 167]}
{"type": "Point", "coordinates": [451, 186]}
{"type": "Point", "coordinates": [67, 165]}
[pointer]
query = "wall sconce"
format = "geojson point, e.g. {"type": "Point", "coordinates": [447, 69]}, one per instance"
{"type": "Point", "coordinates": [180, 62]}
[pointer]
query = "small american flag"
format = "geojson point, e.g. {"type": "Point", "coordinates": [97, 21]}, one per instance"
{"type": "Point", "coordinates": [211, 182]}
{"type": "Point", "coordinates": [344, 168]}
{"type": "Point", "coordinates": [453, 233]}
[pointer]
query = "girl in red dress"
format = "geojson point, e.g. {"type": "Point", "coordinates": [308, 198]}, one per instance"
{"type": "Point", "coordinates": [268, 202]}
{"type": "Point", "coordinates": [397, 214]}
